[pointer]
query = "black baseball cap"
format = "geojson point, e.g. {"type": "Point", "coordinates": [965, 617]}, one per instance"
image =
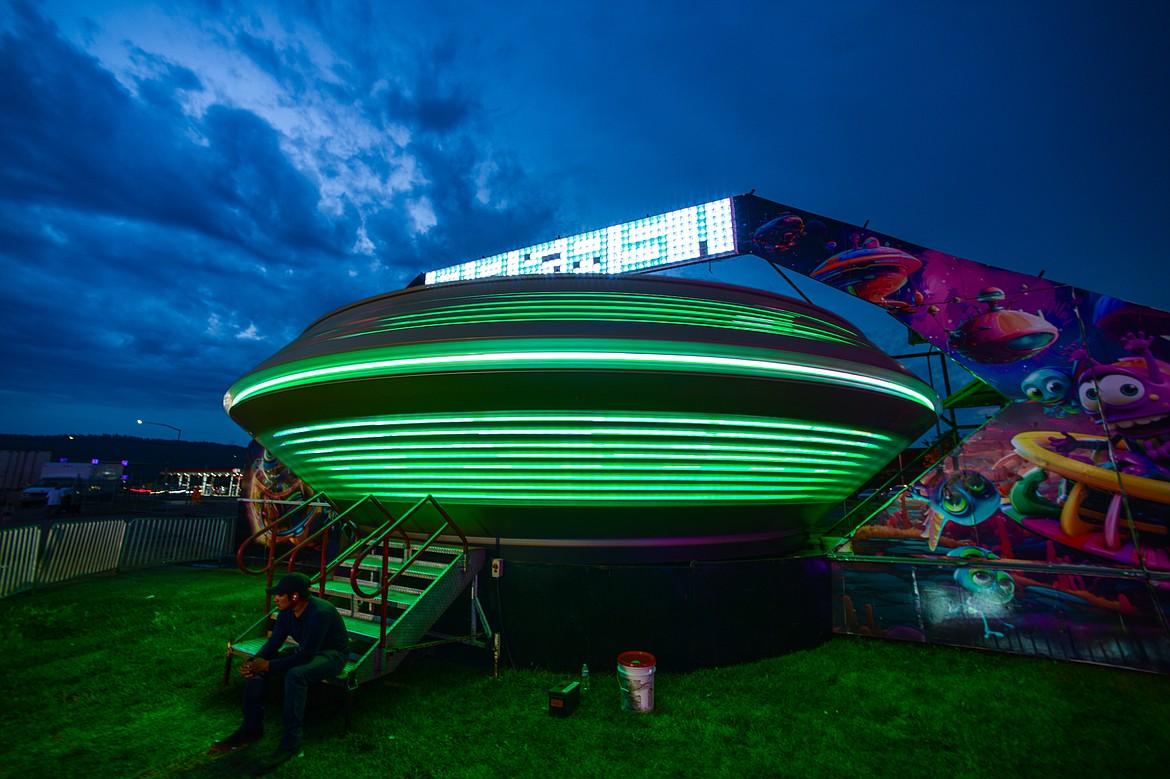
{"type": "Point", "coordinates": [293, 582]}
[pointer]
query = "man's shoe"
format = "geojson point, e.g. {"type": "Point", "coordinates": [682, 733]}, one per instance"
{"type": "Point", "coordinates": [235, 742]}
{"type": "Point", "coordinates": [277, 758]}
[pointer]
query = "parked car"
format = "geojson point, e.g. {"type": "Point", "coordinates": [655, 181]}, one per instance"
{"type": "Point", "coordinates": [38, 494]}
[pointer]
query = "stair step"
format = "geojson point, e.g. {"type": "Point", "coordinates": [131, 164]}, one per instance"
{"type": "Point", "coordinates": [357, 627]}
{"type": "Point", "coordinates": [363, 628]}
{"type": "Point", "coordinates": [402, 596]}
{"type": "Point", "coordinates": [423, 569]}
{"type": "Point", "coordinates": [440, 548]}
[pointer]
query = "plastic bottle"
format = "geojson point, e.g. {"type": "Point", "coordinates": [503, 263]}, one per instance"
{"type": "Point", "coordinates": [584, 678]}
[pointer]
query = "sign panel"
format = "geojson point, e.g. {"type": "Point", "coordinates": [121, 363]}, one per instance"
{"type": "Point", "coordinates": [686, 235]}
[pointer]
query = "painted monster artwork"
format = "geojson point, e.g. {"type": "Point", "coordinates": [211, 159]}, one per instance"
{"type": "Point", "coordinates": [1047, 531]}
{"type": "Point", "coordinates": [269, 492]}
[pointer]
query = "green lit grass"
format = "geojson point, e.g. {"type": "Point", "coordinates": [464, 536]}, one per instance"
{"type": "Point", "coordinates": [119, 677]}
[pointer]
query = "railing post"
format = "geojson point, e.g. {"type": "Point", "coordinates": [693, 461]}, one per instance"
{"type": "Point", "coordinates": [268, 566]}
{"type": "Point", "coordinates": [474, 601]}
{"type": "Point", "coordinates": [385, 590]}
{"type": "Point", "coordinates": [324, 556]}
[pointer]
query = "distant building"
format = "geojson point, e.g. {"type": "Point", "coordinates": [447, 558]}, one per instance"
{"type": "Point", "coordinates": [224, 483]}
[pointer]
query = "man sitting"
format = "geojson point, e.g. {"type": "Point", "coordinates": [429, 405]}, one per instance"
{"type": "Point", "coordinates": [321, 651]}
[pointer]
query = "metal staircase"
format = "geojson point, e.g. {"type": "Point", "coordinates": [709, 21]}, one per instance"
{"type": "Point", "coordinates": [389, 588]}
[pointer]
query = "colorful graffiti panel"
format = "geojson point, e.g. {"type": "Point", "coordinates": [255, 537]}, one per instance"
{"type": "Point", "coordinates": [1046, 532]}
{"type": "Point", "coordinates": [1029, 337]}
{"type": "Point", "coordinates": [1106, 619]}
{"type": "Point", "coordinates": [270, 491]}
{"type": "Point", "coordinates": [1019, 489]}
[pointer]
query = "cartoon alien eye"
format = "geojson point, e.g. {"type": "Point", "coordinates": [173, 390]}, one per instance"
{"type": "Point", "coordinates": [1119, 390]}
{"type": "Point", "coordinates": [1055, 387]}
{"type": "Point", "coordinates": [1089, 397]}
{"type": "Point", "coordinates": [1034, 393]}
{"type": "Point", "coordinates": [977, 484]}
{"type": "Point", "coordinates": [954, 502]}
{"type": "Point", "coordinates": [982, 578]}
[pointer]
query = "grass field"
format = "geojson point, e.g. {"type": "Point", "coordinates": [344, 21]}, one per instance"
{"type": "Point", "coordinates": [120, 677]}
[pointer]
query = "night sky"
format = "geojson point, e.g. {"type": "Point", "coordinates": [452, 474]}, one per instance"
{"type": "Point", "coordinates": [182, 192]}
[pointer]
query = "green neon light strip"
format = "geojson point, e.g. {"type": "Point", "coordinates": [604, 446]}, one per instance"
{"type": "Point", "coordinates": [608, 307]}
{"type": "Point", "coordinates": [544, 418]}
{"type": "Point", "coordinates": [407, 468]}
{"type": "Point", "coordinates": [586, 494]}
{"type": "Point", "coordinates": [564, 432]}
{"type": "Point", "coordinates": [472, 430]}
{"type": "Point", "coordinates": [545, 454]}
{"type": "Point", "coordinates": [299, 373]}
{"type": "Point", "coordinates": [650, 448]}
{"type": "Point", "coordinates": [452, 493]}
{"type": "Point", "coordinates": [568, 458]}
{"type": "Point", "coordinates": [678, 482]}
{"type": "Point", "coordinates": [576, 487]}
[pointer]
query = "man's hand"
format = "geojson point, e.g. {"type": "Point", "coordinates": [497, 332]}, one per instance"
{"type": "Point", "coordinates": [253, 667]}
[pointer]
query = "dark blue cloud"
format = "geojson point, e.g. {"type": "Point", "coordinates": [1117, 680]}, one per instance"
{"type": "Point", "coordinates": [184, 188]}
{"type": "Point", "coordinates": [153, 254]}
{"type": "Point", "coordinates": [106, 229]}
{"type": "Point", "coordinates": [136, 158]}
{"type": "Point", "coordinates": [435, 102]}
{"type": "Point", "coordinates": [477, 229]}
{"type": "Point", "coordinates": [259, 192]}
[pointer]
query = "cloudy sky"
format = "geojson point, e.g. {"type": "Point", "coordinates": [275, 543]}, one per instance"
{"type": "Point", "coordinates": [185, 186]}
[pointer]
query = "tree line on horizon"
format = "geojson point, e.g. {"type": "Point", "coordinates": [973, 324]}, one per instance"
{"type": "Point", "coordinates": [141, 453]}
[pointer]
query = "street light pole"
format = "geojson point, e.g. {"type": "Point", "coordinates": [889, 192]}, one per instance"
{"type": "Point", "coordinates": [178, 432]}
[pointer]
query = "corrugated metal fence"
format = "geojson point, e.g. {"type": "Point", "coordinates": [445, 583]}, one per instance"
{"type": "Point", "coordinates": [76, 549]}
{"type": "Point", "coordinates": [18, 558]}
{"type": "Point", "coordinates": [176, 540]}
{"type": "Point", "coordinates": [71, 550]}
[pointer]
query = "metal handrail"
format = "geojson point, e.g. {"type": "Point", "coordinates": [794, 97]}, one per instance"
{"type": "Point", "coordinates": [271, 526]}
{"type": "Point", "coordinates": [339, 561]}
{"type": "Point", "coordinates": [360, 548]}
{"type": "Point", "coordinates": [325, 569]}
{"type": "Point", "coordinates": [322, 567]}
{"type": "Point", "coordinates": [382, 536]}
{"type": "Point", "coordinates": [291, 554]}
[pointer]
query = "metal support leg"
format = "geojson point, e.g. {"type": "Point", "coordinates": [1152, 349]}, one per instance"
{"type": "Point", "coordinates": [474, 603]}
{"type": "Point", "coordinates": [496, 656]}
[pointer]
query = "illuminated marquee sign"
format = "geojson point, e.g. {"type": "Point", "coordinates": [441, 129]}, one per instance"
{"type": "Point", "coordinates": [689, 234]}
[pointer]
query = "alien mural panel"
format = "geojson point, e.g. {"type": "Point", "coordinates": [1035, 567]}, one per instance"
{"type": "Point", "coordinates": [1024, 548]}
{"type": "Point", "coordinates": [272, 496]}
{"type": "Point", "coordinates": [1047, 531]}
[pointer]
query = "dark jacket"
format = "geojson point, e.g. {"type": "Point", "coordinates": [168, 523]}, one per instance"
{"type": "Point", "coordinates": [319, 628]}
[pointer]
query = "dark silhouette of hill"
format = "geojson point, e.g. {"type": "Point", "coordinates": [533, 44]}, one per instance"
{"type": "Point", "coordinates": [146, 456]}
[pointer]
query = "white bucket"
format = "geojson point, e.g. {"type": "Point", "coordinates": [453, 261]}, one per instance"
{"type": "Point", "coordinates": [636, 681]}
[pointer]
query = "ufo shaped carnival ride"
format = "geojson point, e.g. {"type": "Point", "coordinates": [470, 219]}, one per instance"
{"type": "Point", "coordinates": [582, 420]}
{"type": "Point", "coordinates": [589, 417]}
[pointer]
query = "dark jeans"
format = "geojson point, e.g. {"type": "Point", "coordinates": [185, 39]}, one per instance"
{"type": "Point", "coordinates": [297, 679]}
